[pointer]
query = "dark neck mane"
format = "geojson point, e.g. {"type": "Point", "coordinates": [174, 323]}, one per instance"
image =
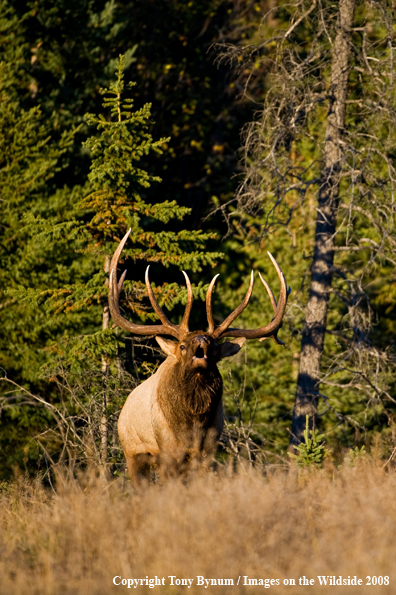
{"type": "Point", "coordinates": [190, 393]}
{"type": "Point", "coordinates": [201, 391]}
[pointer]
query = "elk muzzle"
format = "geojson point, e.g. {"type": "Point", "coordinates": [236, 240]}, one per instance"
{"type": "Point", "coordinates": [201, 347]}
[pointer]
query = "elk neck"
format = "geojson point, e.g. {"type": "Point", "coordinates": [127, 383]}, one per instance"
{"type": "Point", "coordinates": [190, 394]}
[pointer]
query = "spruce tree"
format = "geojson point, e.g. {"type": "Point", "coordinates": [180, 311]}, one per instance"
{"type": "Point", "coordinates": [114, 201]}
{"type": "Point", "coordinates": [30, 161]}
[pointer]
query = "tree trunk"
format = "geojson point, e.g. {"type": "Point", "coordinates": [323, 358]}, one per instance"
{"type": "Point", "coordinates": [322, 267]}
{"type": "Point", "coordinates": [104, 431]}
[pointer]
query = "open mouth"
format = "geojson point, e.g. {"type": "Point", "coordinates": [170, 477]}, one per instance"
{"type": "Point", "coordinates": [199, 353]}
{"type": "Point", "coordinates": [200, 359]}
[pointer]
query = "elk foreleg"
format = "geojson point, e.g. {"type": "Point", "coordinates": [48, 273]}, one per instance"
{"type": "Point", "coordinates": [139, 468]}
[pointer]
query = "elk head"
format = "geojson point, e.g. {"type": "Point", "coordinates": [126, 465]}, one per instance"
{"type": "Point", "coordinates": [199, 350]}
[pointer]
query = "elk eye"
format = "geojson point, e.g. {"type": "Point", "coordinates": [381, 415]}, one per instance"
{"type": "Point", "coordinates": [182, 347]}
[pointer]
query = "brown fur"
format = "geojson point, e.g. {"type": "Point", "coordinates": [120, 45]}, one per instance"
{"type": "Point", "coordinates": [200, 391]}
{"type": "Point", "coordinates": [176, 416]}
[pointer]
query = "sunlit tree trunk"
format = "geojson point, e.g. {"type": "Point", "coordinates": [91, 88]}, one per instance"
{"type": "Point", "coordinates": [322, 267]}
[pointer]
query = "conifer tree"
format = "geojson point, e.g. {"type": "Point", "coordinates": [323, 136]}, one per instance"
{"type": "Point", "coordinates": [114, 201]}
{"type": "Point", "coordinates": [30, 160]}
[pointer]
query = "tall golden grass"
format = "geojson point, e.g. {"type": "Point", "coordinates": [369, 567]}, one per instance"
{"type": "Point", "coordinates": [285, 525]}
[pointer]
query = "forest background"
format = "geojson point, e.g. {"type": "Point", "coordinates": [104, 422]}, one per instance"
{"type": "Point", "coordinates": [236, 131]}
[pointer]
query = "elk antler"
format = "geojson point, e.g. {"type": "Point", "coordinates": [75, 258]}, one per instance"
{"type": "Point", "coordinates": [274, 305]}
{"type": "Point", "coordinates": [217, 332]}
{"type": "Point", "coordinates": [264, 332]}
{"type": "Point", "coordinates": [166, 328]}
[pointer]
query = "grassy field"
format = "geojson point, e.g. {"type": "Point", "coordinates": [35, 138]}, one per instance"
{"type": "Point", "coordinates": [287, 525]}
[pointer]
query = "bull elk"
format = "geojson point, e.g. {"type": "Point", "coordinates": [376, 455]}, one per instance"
{"type": "Point", "coordinates": [176, 415]}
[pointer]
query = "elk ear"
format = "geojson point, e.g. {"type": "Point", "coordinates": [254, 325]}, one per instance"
{"type": "Point", "coordinates": [231, 347]}
{"type": "Point", "coordinates": [167, 345]}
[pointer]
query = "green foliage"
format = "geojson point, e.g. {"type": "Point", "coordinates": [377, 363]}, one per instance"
{"type": "Point", "coordinates": [113, 202]}
{"type": "Point", "coordinates": [110, 202]}
{"type": "Point", "coordinates": [29, 163]}
{"type": "Point", "coordinates": [356, 455]}
{"type": "Point", "coordinates": [79, 166]}
{"type": "Point", "coordinates": [115, 178]}
{"type": "Point", "coordinates": [56, 58]}
{"type": "Point", "coordinates": [283, 157]}
{"type": "Point", "coordinates": [312, 451]}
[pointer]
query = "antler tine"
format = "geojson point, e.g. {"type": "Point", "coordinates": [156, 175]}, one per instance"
{"type": "Point", "coordinates": [121, 282]}
{"type": "Point", "coordinates": [114, 303]}
{"type": "Point", "coordinates": [273, 302]}
{"type": "Point", "coordinates": [269, 291]}
{"type": "Point", "coordinates": [271, 329]}
{"type": "Point", "coordinates": [156, 307]}
{"type": "Point", "coordinates": [115, 288]}
{"type": "Point", "coordinates": [187, 311]}
{"type": "Point", "coordinates": [221, 330]}
{"type": "Point", "coordinates": [209, 313]}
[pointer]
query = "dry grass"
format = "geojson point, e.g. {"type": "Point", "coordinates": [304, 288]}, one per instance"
{"type": "Point", "coordinates": [279, 527]}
